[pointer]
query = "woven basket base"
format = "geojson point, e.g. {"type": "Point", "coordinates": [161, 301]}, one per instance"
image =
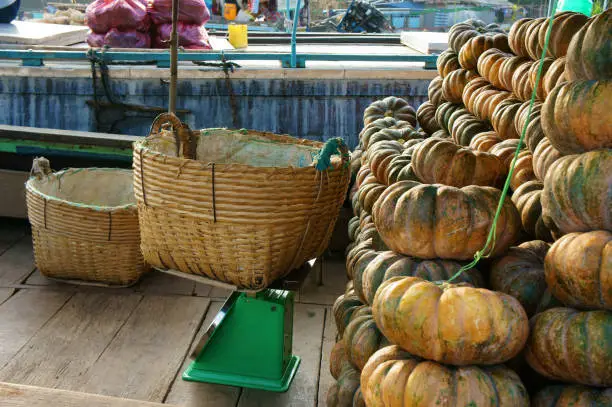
{"type": "Point", "coordinates": [108, 263]}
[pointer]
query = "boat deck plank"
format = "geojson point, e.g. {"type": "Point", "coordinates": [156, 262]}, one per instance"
{"type": "Point", "coordinates": [329, 339]}
{"type": "Point", "coordinates": [134, 343]}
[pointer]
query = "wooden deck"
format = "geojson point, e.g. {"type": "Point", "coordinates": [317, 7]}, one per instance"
{"type": "Point", "coordinates": [134, 343]}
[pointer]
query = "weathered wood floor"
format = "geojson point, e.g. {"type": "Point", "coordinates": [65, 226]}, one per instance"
{"type": "Point", "coordinates": [134, 343]}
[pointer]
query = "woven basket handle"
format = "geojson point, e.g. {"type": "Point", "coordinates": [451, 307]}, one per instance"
{"type": "Point", "coordinates": [40, 168]}
{"type": "Point", "coordinates": [322, 160]}
{"type": "Point", "coordinates": [185, 142]}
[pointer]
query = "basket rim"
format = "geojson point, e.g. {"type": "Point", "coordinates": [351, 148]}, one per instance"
{"type": "Point", "coordinates": [101, 208]}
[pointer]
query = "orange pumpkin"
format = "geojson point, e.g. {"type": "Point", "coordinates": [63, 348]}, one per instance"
{"type": "Point", "coordinates": [555, 75]}
{"type": "Point", "coordinates": [577, 193]}
{"type": "Point", "coordinates": [400, 167]}
{"type": "Point", "coordinates": [579, 270]}
{"type": "Point", "coordinates": [521, 83]}
{"type": "Point", "coordinates": [345, 392]}
{"type": "Point", "coordinates": [401, 134]}
{"type": "Point", "coordinates": [391, 106]}
{"type": "Point", "coordinates": [534, 133]}
{"type": "Point", "coordinates": [434, 91]}
{"type": "Point", "coordinates": [441, 134]}
{"type": "Point", "coordinates": [505, 151]}
{"type": "Point", "coordinates": [572, 396]}
{"type": "Point", "coordinates": [369, 192]}
{"type": "Point", "coordinates": [572, 346]}
{"type": "Point", "coordinates": [394, 378]}
{"type": "Point", "coordinates": [465, 126]}
{"type": "Point", "coordinates": [576, 116]}
{"type": "Point", "coordinates": [426, 116]}
{"type": "Point", "coordinates": [473, 89]}
{"type": "Point", "coordinates": [527, 200]}
{"type": "Point", "coordinates": [437, 221]}
{"type": "Point", "coordinates": [532, 40]}
{"type": "Point", "coordinates": [444, 112]}
{"type": "Point", "coordinates": [380, 158]}
{"type": "Point", "coordinates": [454, 324]}
{"type": "Point", "coordinates": [454, 82]}
{"type": "Point", "coordinates": [589, 55]}
{"type": "Point", "coordinates": [489, 64]}
{"type": "Point", "coordinates": [533, 75]}
{"type": "Point", "coordinates": [544, 156]}
{"type": "Point", "coordinates": [362, 339]}
{"type": "Point", "coordinates": [337, 359]}
{"type": "Point", "coordinates": [377, 125]}
{"type": "Point", "coordinates": [516, 36]}
{"type": "Point", "coordinates": [447, 62]}
{"type": "Point", "coordinates": [523, 170]}
{"type": "Point", "coordinates": [461, 33]}
{"type": "Point", "coordinates": [565, 25]}
{"type": "Point", "coordinates": [484, 141]}
{"type": "Point", "coordinates": [444, 162]}
{"type": "Point", "coordinates": [507, 69]}
{"type": "Point", "coordinates": [503, 116]}
{"type": "Point", "coordinates": [475, 46]}
{"type": "Point", "coordinates": [389, 264]}
{"type": "Point", "coordinates": [376, 147]}
{"type": "Point", "coordinates": [485, 101]}
{"type": "Point", "coordinates": [520, 273]}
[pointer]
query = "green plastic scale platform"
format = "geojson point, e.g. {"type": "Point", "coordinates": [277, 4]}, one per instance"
{"type": "Point", "coordinates": [249, 342]}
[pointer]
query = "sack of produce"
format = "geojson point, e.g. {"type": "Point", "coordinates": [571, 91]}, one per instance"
{"type": "Point", "coordinates": [190, 11]}
{"type": "Point", "coordinates": [103, 15]}
{"type": "Point", "coordinates": [191, 36]}
{"type": "Point", "coordinates": [120, 39]}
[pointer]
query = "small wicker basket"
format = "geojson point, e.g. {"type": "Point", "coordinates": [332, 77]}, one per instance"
{"type": "Point", "coordinates": [84, 225]}
{"type": "Point", "coordinates": [238, 206]}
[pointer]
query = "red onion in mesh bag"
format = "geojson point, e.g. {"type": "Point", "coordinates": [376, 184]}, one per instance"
{"type": "Point", "coordinates": [191, 36]}
{"type": "Point", "coordinates": [190, 11]}
{"type": "Point", "coordinates": [120, 39]}
{"type": "Point", "coordinates": [103, 15]}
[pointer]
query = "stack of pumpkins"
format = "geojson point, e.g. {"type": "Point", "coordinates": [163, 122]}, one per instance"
{"type": "Point", "coordinates": [424, 201]}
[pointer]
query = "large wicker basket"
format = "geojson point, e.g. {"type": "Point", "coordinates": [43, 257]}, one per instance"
{"type": "Point", "coordinates": [241, 207]}
{"type": "Point", "coordinates": [85, 225]}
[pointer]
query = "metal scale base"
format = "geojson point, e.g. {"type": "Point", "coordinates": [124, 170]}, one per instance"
{"type": "Point", "coordinates": [249, 343]}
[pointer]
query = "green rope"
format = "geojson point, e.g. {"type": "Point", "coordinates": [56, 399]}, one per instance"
{"type": "Point", "coordinates": [322, 160]}
{"type": "Point", "coordinates": [490, 243]}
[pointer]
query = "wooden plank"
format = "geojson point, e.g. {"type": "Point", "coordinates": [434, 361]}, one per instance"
{"type": "Point", "coordinates": [11, 232]}
{"type": "Point", "coordinates": [329, 340]}
{"type": "Point", "coordinates": [68, 345]}
{"type": "Point", "coordinates": [22, 316]}
{"type": "Point", "coordinates": [156, 282]}
{"type": "Point", "coordinates": [191, 394]}
{"type": "Point", "coordinates": [142, 360]}
{"type": "Point", "coordinates": [17, 262]}
{"type": "Point", "coordinates": [17, 395]}
{"type": "Point", "coordinates": [31, 33]}
{"type": "Point", "coordinates": [5, 294]}
{"type": "Point", "coordinates": [307, 338]}
{"type": "Point", "coordinates": [334, 283]}
{"type": "Point", "coordinates": [12, 185]}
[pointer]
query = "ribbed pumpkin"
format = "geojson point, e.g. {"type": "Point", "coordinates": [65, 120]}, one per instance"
{"type": "Point", "coordinates": [533, 75]}
{"type": "Point", "coordinates": [400, 167]}
{"type": "Point", "coordinates": [554, 75]}
{"type": "Point", "coordinates": [516, 36]}
{"type": "Point", "coordinates": [521, 83]}
{"type": "Point", "coordinates": [438, 161]}
{"type": "Point", "coordinates": [434, 91]}
{"type": "Point", "coordinates": [345, 392]}
{"type": "Point", "coordinates": [437, 221]}
{"type": "Point", "coordinates": [485, 102]}
{"type": "Point", "coordinates": [377, 125]}
{"type": "Point", "coordinates": [461, 33]}
{"type": "Point", "coordinates": [489, 64]}
{"type": "Point", "coordinates": [484, 141]}
{"type": "Point", "coordinates": [475, 46]}
{"type": "Point", "coordinates": [526, 198]}
{"type": "Point", "coordinates": [505, 151]}
{"type": "Point", "coordinates": [362, 252]}
{"type": "Point", "coordinates": [473, 89]}
{"type": "Point", "coordinates": [572, 396]}
{"type": "Point", "coordinates": [401, 134]}
{"type": "Point", "coordinates": [441, 134]}
{"type": "Point", "coordinates": [369, 192]}
{"type": "Point", "coordinates": [380, 158]}
{"type": "Point", "coordinates": [394, 378]}
{"type": "Point", "coordinates": [353, 228]}
{"type": "Point", "coordinates": [465, 126]}
{"type": "Point", "coordinates": [447, 62]}
{"type": "Point", "coordinates": [577, 117]}
{"type": "Point", "coordinates": [520, 273]}
{"type": "Point", "coordinates": [343, 309]}
{"type": "Point", "coordinates": [391, 106]}
{"type": "Point", "coordinates": [454, 82]}
{"type": "Point", "coordinates": [577, 194]}
{"type": "Point", "coordinates": [572, 346]}
{"type": "Point", "coordinates": [426, 116]}
{"type": "Point", "coordinates": [589, 55]}
{"type": "Point", "coordinates": [565, 25]}
{"type": "Point", "coordinates": [544, 157]}
{"type": "Point", "coordinates": [389, 264]}
{"type": "Point", "coordinates": [507, 69]}
{"type": "Point", "coordinates": [534, 134]}
{"type": "Point", "coordinates": [532, 40]}
{"type": "Point", "coordinates": [362, 339]}
{"type": "Point", "coordinates": [454, 324]}
{"type": "Point", "coordinates": [444, 112]}
{"type": "Point", "coordinates": [337, 359]}
{"type": "Point", "coordinates": [523, 170]}
{"type": "Point", "coordinates": [579, 270]}
{"type": "Point", "coordinates": [503, 116]}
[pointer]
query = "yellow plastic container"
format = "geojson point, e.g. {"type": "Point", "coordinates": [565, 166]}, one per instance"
{"type": "Point", "coordinates": [230, 11]}
{"type": "Point", "coordinates": [238, 35]}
